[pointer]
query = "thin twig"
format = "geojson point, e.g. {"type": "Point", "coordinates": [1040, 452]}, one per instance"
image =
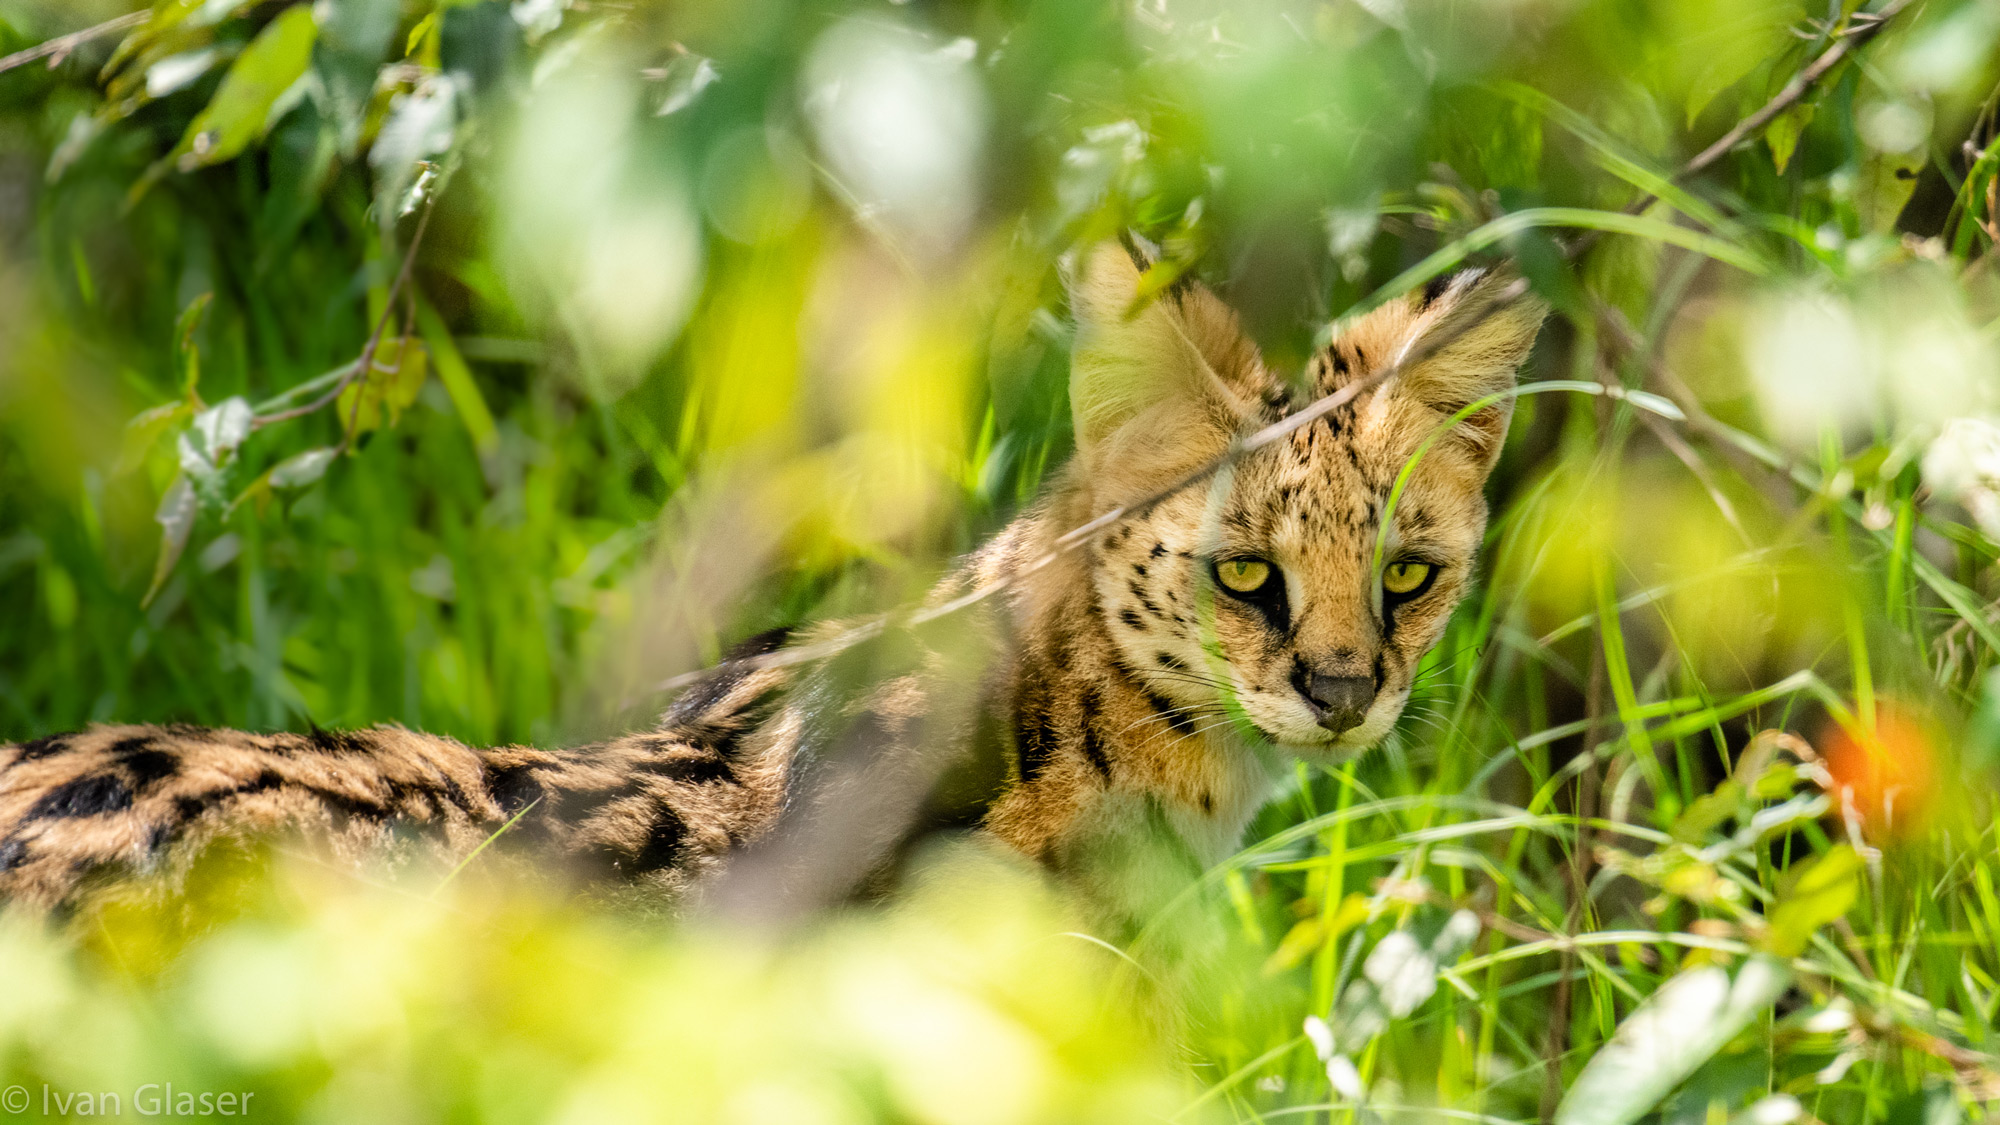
{"type": "Point", "coordinates": [58, 49]}
{"type": "Point", "coordinates": [366, 362]}
{"type": "Point", "coordinates": [1866, 26]}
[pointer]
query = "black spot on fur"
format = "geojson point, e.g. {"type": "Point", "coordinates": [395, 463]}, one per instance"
{"type": "Point", "coordinates": [770, 640]}
{"type": "Point", "coordinates": [262, 783]}
{"type": "Point", "coordinates": [336, 741]}
{"type": "Point", "coordinates": [705, 694]}
{"type": "Point", "coordinates": [1339, 361]}
{"type": "Point", "coordinates": [1139, 569]}
{"type": "Point", "coordinates": [1034, 733]}
{"type": "Point", "coordinates": [144, 763]}
{"type": "Point", "coordinates": [713, 688]}
{"type": "Point", "coordinates": [1174, 715]}
{"type": "Point", "coordinates": [1151, 606]}
{"type": "Point", "coordinates": [1208, 803]}
{"type": "Point", "coordinates": [577, 804]}
{"type": "Point", "coordinates": [663, 843]}
{"type": "Point", "coordinates": [513, 788]}
{"type": "Point", "coordinates": [1093, 742]}
{"type": "Point", "coordinates": [187, 808]}
{"type": "Point", "coordinates": [43, 748]}
{"type": "Point", "coordinates": [452, 795]}
{"type": "Point", "coordinates": [85, 796]}
{"type": "Point", "coordinates": [694, 771]}
{"type": "Point", "coordinates": [1170, 662]}
{"type": "Point", "coordinates": [1131, 617]}
{"type": "Point", "coordinates": [1159, 549]}
{"type": "Point", "coordinates": [1433, 290]}
{"type": "Point", "coordinates": [12, 853]}
{"type": "Point", "coordinates": [1059, 654]}
{"type": "Point", "coordinates": [343, 809]}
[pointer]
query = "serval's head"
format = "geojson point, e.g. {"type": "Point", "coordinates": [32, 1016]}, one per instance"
{"type": "Point", "coordinates": [1286, 584]}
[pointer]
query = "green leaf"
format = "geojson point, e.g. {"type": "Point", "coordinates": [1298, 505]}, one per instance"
{"type": "Point", "coordinates": [1783, 133]}
{"type": "Point", "coordinates": [1885, 185]}
{"type": "Point", "coordinates": [1707, 813]}
{"type": "Point", "coordinates": [419, 126]}
{"type": "Point", "coordinates": [456, 376]}
{"type": "Point", "coordinates": [1675, 1030]}
{"type": "Point", "coordinates": [1725, 40]}
{"type": "Point", "coordinates": [175, 515]}
{"type": "Point", "coordinates": [301, 469]}
{"type": "Point", "coordinates": [144, 431]}
{"type": "Point", "coordinates": [398, 374]}
{"type": "Point", "coordinates": [296, 471]}
{"type": "Point", "coordinates": [1816, 894]}
{"type": "Point", "coordinates": [1776, 783]}
{"type": "Point", "coordinates": [187, 357]}
{"type": "Point", "coordinates": [266, 69]}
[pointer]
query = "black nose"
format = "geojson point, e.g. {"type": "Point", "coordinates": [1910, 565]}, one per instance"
{"type": "Point", "coordinates": [1339, 702]}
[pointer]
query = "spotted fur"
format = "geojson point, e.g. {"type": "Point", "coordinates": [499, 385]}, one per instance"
{"type": "Point", "coordinates": [1126, 698]}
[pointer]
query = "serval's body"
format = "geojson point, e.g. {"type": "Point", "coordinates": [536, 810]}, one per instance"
{"type": "Point", "coordinates": [1148, 685]}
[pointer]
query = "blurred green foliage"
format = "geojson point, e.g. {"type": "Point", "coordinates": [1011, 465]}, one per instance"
{"type": "Point", "coordinates": [476, 366]}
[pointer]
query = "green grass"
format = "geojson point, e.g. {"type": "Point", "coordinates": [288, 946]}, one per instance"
{"type": "Point", "coordinates": [812, 414]}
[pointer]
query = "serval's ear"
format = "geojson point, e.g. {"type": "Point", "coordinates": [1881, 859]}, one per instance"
{"type": "Point", "coordinates": [1481, 341]}
{"type": "Point", "coordinates": [1156, 386]}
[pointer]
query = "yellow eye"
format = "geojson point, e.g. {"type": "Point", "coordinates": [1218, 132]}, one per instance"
{"type": "Point", "coordinates": [1403, 577]}
{"type": "Point", "coordinates": [1245, 576]}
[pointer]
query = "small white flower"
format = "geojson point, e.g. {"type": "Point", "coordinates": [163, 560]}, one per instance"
{"type": "Point", "coordinates": [1778, 1109]}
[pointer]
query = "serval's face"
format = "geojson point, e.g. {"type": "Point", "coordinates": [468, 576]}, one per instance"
{"type": "Point", "coordinates": [1300, 588]}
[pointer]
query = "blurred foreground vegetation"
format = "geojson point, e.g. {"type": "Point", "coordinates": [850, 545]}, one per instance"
{"type": "Point", "coordinates": [685, 320]}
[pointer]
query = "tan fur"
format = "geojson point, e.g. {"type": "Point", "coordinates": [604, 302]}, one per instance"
{"type": "Point", "coordinates": [1140, 709]}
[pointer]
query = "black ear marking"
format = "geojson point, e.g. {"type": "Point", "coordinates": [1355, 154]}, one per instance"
{"type": "Point", "coordinates": [1142, 252]}
{"type": "Point", "coordinates": [1434, 289]}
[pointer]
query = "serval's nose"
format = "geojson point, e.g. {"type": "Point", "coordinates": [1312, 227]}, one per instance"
{"type": "Point", "coordinates": [1339, 703]}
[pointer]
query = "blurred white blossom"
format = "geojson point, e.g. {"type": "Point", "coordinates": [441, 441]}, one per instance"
{"type": "Point", "coordinates": [603, 233]}
{"type": "Point", "coordinates": [1809, 362]}
{"type": "Point", "coordinates": [1963, 466]}
{"type": "Point", "coordinates": [1902, 350]}
{"type": "Point", "coordinates": [902, 123]}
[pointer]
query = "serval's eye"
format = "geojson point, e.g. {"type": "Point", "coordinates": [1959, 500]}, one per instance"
{"type": "Point", "coordinates": [1405, 578]}
{"type": "Point", "coordinates": [1243, 576]}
